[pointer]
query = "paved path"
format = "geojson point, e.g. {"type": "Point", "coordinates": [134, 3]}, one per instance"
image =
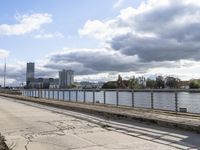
{"type": "Point", "coordinates": [31, 126]}
{"type": "Point", "coordinates": [186, 121]}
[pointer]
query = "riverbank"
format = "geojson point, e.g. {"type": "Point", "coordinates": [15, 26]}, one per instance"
{"type": "Point", "coordinates": [3, 145]}
{"type": "Point", "coordinates": [182, 121]}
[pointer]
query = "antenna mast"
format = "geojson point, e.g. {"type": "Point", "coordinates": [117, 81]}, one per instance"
{"type": "Point", "coordinates": [4, 83]}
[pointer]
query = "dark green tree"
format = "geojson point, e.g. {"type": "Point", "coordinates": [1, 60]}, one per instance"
{"type": "Point", "coordinates": [110, 85]}
{"type": "Point", "coordinates": [172, 82]}
{"type": "Point", "coordinates": [160, 83]}
{"type": "Point", "coordinates": [194, 84]}
{"type": "Point", "coordinates": [151, 84]}
{"type": "Point", "coordinates": [132, 83]}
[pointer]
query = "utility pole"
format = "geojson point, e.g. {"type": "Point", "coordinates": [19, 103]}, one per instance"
{"type": "Point", "coordinates": [4, 83]}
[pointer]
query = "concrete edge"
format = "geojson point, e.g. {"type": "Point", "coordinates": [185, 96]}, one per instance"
{"type": "Point", "coordinates": [159, 122]}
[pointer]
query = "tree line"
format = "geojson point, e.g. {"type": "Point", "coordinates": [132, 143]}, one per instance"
{"type": "Point", "coordinates": [159, 82]}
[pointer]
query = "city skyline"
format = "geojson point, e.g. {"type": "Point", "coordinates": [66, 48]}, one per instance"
{"type": "Point", "coordinates": [100, 39]}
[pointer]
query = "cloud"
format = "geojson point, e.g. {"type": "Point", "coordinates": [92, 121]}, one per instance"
{"type": "Point", "coordinates": [90, 61]}
{"type": "Point", "coordinates": [4, 53]}
{"type": "Point", "coordinates": [157, 37]}
{"type": "Point", "coordinates": [167, 30]}
{"type": "Point", "coordinates": [26, 24]}
{"type": "Point", "coordinates": [118, 4]}
{"type": "Point", "coordinates": [49, 35]}
{"type": "Point", "coordinates": [96, 61]}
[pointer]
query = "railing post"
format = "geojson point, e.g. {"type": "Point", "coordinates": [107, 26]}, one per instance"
{"type": "Point", "coordinates": [84, 96]}
{"type": "Point", "coordinates": [93, 93]}
{"type": "Point", "coordinates": [58, 94]}
{"type": "Point", "coordinates": [76, 96]}
{"type": "Point", "coordinates": [70, 95]}
{"type": "Point", "coordinates": [117, 98]}
{"type": "Point", "coordinates": [53, 94]}
{"type": "Point", "coordinates": [63, 95]}
{"type": "Point", "coordinates": [152, 101]}
{"type": "Point", "coordinates": [48, 94]}
{"type": "Point", "coordinates": [104, 97]}
{"type": "Point", "coordinates": [133, 99]}
{"type": "Point", "coordinates": [41, 93]}
{"type": "Point", "coordinates": [176, 101]}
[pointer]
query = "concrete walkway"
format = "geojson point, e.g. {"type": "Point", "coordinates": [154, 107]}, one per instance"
{"type": "Point", "coordinates": [27, 125]}
{"type": "Point", "coordinates": [184, 121]}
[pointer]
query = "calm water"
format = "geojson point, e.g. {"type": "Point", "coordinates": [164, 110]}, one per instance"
{"type": "Point", "coordinates": [161, 100]}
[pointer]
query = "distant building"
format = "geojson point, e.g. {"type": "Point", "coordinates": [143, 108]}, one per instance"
{"type": "Point", "coordinates": [44, 83]}
{"type": "Point", "coordinates": [30, 73]}
{"type": "Point", "coordinates": [90, 85]}
{"type": "Point", "coordinates": [66, 78]}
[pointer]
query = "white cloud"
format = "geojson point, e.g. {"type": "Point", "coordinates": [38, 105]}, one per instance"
{"type": "Point", "coordinates": [163, 34]}
{"type": "Point", "coordinates": [158, 37]}
{"type": "Point", "coordinates": [26, 24]}
{"type": "Point", "coordinates": [4, 53]}
{"type": "Point", "coordinates": [49, 35]}
{"type": "Point", "coordinates": [102, 30]}
{"type": "Point", "coordinates": [118, 4]}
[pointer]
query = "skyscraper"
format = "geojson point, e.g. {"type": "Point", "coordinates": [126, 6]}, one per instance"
{"type": "Point", "coordinates": [30, 73]}
{"type": "Point", "coordinates": [66, 78]}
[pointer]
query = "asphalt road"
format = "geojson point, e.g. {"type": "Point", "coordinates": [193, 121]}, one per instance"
{"type": "Point", "coordinates": [31, 126]}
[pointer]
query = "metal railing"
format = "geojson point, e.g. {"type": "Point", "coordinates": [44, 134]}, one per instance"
{"type": "Point", "coordinates": [169, 100]}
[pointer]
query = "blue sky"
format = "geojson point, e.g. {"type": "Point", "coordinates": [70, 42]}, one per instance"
{"type": "Point", "coordinates": [100, 39]}
{"type": "Point", "coordinates": [68, 16]}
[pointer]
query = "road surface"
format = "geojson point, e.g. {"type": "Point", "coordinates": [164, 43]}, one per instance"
{"type": "Point", "coordinates": [31, 126]}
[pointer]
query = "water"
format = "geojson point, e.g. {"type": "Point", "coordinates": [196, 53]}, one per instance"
{"type": "Point", "coordinates": [161, 100]}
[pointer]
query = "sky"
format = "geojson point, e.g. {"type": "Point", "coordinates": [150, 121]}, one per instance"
{"type": "Point", "coordinates": [100, 39]}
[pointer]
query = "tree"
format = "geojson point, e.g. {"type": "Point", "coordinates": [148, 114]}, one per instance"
{"type": "Point", "coordinates": [110, 85]}
{"type": "Point", "coordinates": [172, 82]}
{"type": "Point", "coordinates": [160, 83]}
{"type": "Point", "coordinates": [121, 83]}
{"type": "Point", "coordinates": [132, 83]}
{"type": "Point", "coordinates": [194, 84]}
{"type": "Point", "coordinates": [151, 84]}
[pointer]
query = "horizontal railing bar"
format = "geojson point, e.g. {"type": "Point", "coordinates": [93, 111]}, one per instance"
{"type": "Point", "coordinates": [120, 90]}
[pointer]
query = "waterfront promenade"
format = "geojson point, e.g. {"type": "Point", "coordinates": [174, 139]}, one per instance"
{"type": "Point", "coordinates": [29, 125]}
{"type": "Point", "coordinates": [185, 121]}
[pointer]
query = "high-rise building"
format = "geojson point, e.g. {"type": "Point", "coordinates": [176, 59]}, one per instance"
{"type": "Point", "coordinates": [66, 78]}
{"type": "Point", "coordinates": [30, 73]}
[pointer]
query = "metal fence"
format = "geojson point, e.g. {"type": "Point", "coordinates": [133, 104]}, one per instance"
{"type": "Point", "coordinates": [170, 100]}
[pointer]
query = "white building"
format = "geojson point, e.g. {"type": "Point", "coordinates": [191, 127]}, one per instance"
{"type": "Point", "coordinates": [66, 78]}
